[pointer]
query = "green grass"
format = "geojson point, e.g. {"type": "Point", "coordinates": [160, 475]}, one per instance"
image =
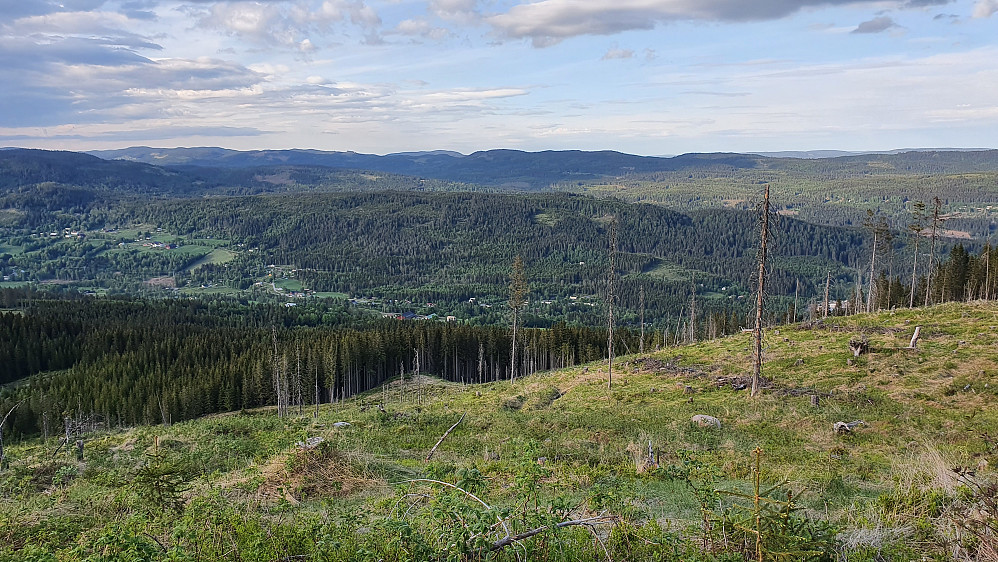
{"type": "Point", "coordinates": [12, 250]}
{"type": "Point", "coordinates": [673, 272]}
{"type": "Point", "coordinates": [925, 411]}
{"type": "Point", "coordinates": [288, 284]}
{"type": "Point", "coordinates": [215, 256]}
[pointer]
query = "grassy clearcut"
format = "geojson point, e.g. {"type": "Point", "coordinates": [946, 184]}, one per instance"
{"type": "Point", "coordinates": [913, 481]}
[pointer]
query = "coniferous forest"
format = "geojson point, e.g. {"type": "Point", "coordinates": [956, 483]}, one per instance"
{"type": "Point", "coordinates": [138, 295]}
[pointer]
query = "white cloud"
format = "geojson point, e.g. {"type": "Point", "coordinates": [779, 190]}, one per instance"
{"type": "Point", "coordinates": [287, 24]}
{"type": "Point", "coordinates": [617, 53]}
{"type": "Point", "coordinates": [465, 96]}
{"type": "Point", "coordinates": [985, 8]}
{"type": "Point", "coordinates": [460, 11]}
{"type": "Point", "coordinates": [420, 28]}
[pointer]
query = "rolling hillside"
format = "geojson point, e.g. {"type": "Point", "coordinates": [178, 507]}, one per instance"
{"type": "Point", "coordinates": [914, 479]}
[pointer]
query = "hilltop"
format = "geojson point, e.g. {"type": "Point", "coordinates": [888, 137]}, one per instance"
{"type": "Point", "coordinates": [828, 189]}
{"type": "Point", "coordinates": [558, 446]}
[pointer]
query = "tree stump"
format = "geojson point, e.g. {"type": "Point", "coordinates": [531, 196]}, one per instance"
{"type": "Point", "coordinates": [859, 346]}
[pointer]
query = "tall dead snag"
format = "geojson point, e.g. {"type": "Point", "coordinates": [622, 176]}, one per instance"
{"type": "Point", "coordinates": [936, 223]}
{"type": "Point", "coordinates": [611, 299]}
{"type": "Point", "coordinates": [881, 232]}
{"type": "Point", "coordinates": [828, 284]}
{"type": "Point", "coordinates": [916, 227]}
{"type": "Point", "coordinates": [280, 378]}
{"type": "Point", "coordinates": [757, 373]}
{"type": "Point", "coordinates": [641, 301]}
{"type": "Point", "coordinates": [693, 309]}
{"type": "Point", "coordinates": [517, 298]}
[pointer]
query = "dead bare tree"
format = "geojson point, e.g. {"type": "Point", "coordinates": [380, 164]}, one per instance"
{"type": "Point", "coordinates": [796, 294]}
{"type": "Point", "coordinates": [828, 283]}
{"type": "Point", "coordinates": [611, 299]}
{"type": "Point", "coordinates": [693, 309]}
{"type": "Point", "coordinates": [936, 223]}
{"type": "Point", "coordinates": [298, 380]}
{"type": "Point", "coordinates": [916, 227]}
{"type": "Point", "coordinates": [878, 226]}
{"type": "Point", "coordinates": [517, 298]}
{"type": "Point", "coordinates": [757, 372]}
{"type": "Point", "coordinates": [641, 301]}
{"type": "Point", "coordinates": [280, 378]}
{"type": "Point", "coordinates": [316, 413]}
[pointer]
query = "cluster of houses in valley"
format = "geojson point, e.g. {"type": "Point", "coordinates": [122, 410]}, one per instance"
{"type": "Point", "coordinates": [414, 316]}
{"type": "Point", "coordinates": [163, 245]}
{"type": "Point", "coordinates": [66, 233]}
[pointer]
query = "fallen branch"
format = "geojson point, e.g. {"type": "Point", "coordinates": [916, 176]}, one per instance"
{"type": "Point", "coordinates": [588, 522]}
{"type": "Point", "coordinates": [3, 459]}
{"type": "Point", "coordinates": [434, 449]}
{"type": "Point", "coordinates": [462, 490]}
{"type": "Point", "coordinates": [59, 448]}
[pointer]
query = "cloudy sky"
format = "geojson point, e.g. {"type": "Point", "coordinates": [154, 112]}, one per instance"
{"type": "Point", "coordinates": [641, 76]}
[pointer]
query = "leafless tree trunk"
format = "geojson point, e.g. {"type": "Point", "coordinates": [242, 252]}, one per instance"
{"type": "Point", "coordinates": [828, 284]}
{"type": "Point", "coordinates": [280, 378]}
{"type": "Point", "coordinates": [641, 299]}
{"type": "Point", "coordinates": [916, 228]}
{"type": "Point", "coordinates": [796, 293]}
{"type": "Point", "coordinates": [481, 361]}
{"type": "Point", "coordinates": [936, 205]}
{"type": "Point", "coordinates": [873, 261]}
{"type": "Point", "coordinates": [881, 232]}
{"type": "Point", "coordinates": [757, 373]}
{"type": "Point", "coordinates": [610, 300]}
{"type": "Point", "coordinates": [298, 380]}
{"type": "Point", "coordinates": [693, 311]}
{"type": "Point", "coordinates": [987, 271]}
{"type": "Point", "coordinates": [517, 297]}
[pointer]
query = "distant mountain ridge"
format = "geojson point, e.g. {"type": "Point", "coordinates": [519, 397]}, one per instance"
{"type": "Point", "coordinates": [818, 154]}
{"type": "Point", "coordinates": [503, 167]}
{"type": "Point", "coordinates": [539, 170]}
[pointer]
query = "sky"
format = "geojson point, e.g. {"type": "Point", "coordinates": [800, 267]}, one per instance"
{"type": "Point", "coordinates": [651, 77]}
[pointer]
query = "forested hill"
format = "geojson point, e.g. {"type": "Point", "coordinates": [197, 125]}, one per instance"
{"type": "Point", "coordinates": [539, 170]}
{"type": "Point", "coordinates": [448, 248]}
{"type": "Point", "coordinates": [835, 191]}
{"type": "Point", "coordinates": [407, 250]}
{"type": "Point", "coordinates": [512, 168]}
{"type": "Point", "coordinates": [23, 170]}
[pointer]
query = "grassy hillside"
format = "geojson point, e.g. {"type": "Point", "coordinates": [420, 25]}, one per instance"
{"type": "Point", "coordinates": [559, 446]}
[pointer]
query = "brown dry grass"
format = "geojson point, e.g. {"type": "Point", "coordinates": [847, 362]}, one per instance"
{"type": "Point", "coordinates": [321, 472]}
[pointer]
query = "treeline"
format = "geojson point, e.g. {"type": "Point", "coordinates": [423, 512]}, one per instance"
{"type": "Point", "coordinates": [963, 276]}
{"type": "Point", "coordinates": [132, 361]}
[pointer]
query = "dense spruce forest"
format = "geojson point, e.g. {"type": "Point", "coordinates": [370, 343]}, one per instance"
{"type": "Point", "coordinates": [125, 361]}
